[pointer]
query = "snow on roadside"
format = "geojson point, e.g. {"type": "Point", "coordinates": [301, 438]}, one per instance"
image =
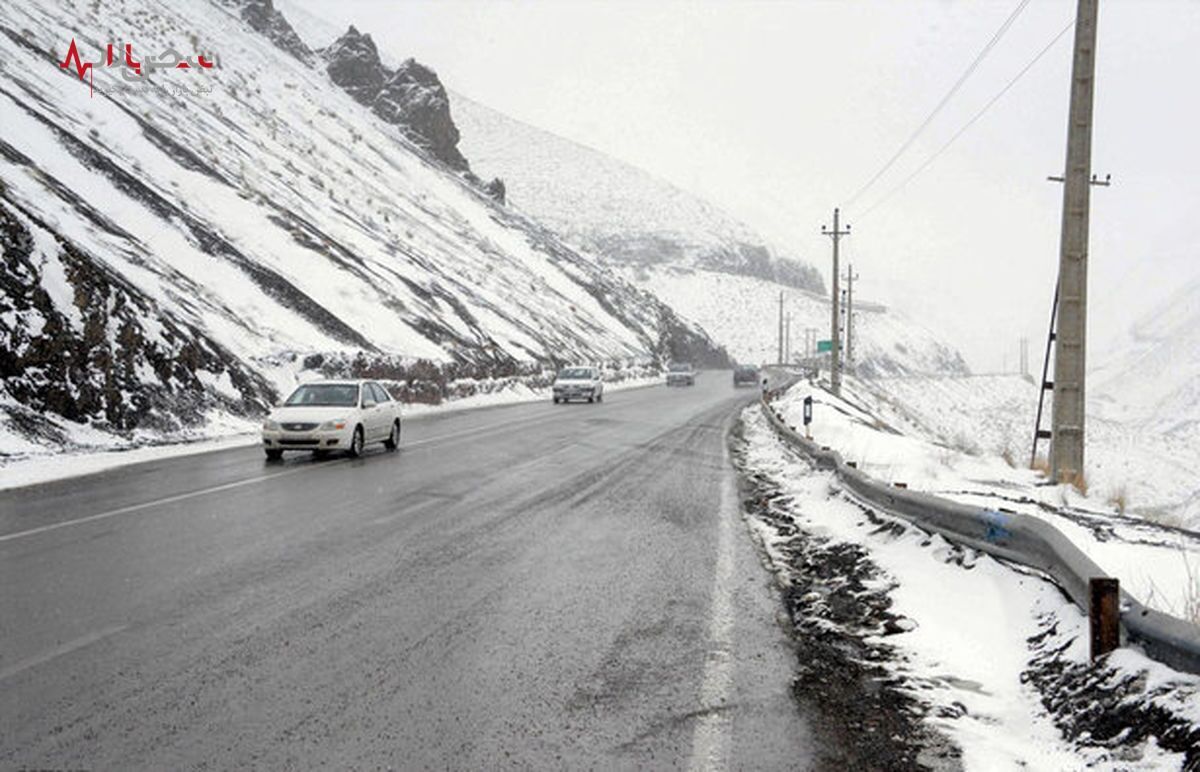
{"type": "Point", "coordinates": [954, 451]}
{"type": "Point", "coordinates": [961, 645]}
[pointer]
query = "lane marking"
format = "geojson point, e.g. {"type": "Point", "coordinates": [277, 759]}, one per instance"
{"type": "Point", "coordinates": [710, 738]}
{"type": "Point", "coordinates": [59, 651]}
{"type": "Point", "coordinates": [249, 481]}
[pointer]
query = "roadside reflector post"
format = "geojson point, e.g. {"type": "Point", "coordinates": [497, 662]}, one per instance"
{"type": "Point", "coordinates": [1105, 615]}
{"type": "Point", "coordinates": [808, 403]}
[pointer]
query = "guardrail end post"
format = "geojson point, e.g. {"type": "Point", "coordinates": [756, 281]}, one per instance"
{"type": "Point", "coordinates": [1104, 612]}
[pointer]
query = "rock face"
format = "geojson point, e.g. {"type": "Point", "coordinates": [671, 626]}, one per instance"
{"type": "Point", "coordinates": [411, 97]}
{"type": "Point", "coordinates": [353, 64]}
{"type": "Point", "coordinates": [79, 341]}
{"type": "Point", "coordinates": [263, 17]}
{"type": "Point", "coordinates": [496, 189]}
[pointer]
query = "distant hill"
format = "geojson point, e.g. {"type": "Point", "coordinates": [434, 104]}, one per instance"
{"type": "Point", "coordinates": [614, 209]}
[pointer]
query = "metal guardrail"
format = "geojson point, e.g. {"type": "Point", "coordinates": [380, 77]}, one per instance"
{"type": "Point", "coordinates": [1015, 537]}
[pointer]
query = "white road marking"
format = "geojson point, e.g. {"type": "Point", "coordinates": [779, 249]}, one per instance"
{"type": "Point", "coordinates": [58, 651]}
{"type": "Point", "coordinates": [241, 483]}
{"type": "Point", "coordinates": [710, 738]}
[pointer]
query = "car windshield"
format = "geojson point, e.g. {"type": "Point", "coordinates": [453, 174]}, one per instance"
{"type": "Point", "coordinates": [324, 395]}
{"type": "Point", "coordinates": [575, 373]}
{"type": "Point", "coordinates": [681, 368]}
{"type": "Point", "coordinates": [747, 369]}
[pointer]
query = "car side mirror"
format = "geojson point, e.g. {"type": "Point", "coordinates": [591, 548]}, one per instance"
{"type": "Point", "coordinates": [368, 403]}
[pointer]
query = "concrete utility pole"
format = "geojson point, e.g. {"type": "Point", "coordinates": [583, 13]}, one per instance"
{"type": "Point", "coordinates": [835, 374]}
{"type": "Point", "coordinates": [851, 276]}
{"type": "Point", "coordinates": [1070, 344]}
{"type": "Point", "coordinates": [780, 359]}
{"type": "Point", "coordinates": [787, 338]}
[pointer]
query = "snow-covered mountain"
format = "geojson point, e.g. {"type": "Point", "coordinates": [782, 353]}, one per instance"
{"type": "Point", "coordinates": [706, 265]}
{"type": "Point", "coordinates": [612, 208]}
{"type": "Point", "coordinates": [179, 240]}
{"type": "Point", "coordinates": [742, 312]}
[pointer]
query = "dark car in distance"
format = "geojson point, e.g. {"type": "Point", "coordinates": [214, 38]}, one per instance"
{"type": "Point", "coordinates": [746, 375]}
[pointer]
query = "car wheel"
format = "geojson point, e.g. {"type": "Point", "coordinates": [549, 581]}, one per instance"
{"type": "Point", "coordinates": [356, 443]}
{"type": "Point", "coordinates": [274, 454]}
{"type": "Point", "coordinates": [600, 397]}
{"type": "Point", "coordinates": [393, 440]}
{"type": "Point", "coordinates": [591, 400]}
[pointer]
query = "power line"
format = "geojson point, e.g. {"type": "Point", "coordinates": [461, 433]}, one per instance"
{"type": "Point", "coordinates": [929, 161]}
{"type": "Point", "coordinates": [1012, 17]}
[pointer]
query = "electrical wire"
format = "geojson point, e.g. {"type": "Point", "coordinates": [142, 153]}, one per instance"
{"type": "Point", "coordinates": [1012, 17]}
{"type": "Point", "coordinates": [929, 161]}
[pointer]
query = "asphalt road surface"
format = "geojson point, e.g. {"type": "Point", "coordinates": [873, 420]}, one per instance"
{"type": "Point", "coordinates": [528, 586]}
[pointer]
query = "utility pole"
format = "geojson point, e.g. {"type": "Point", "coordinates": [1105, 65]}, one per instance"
{"type": "Point", "coordinates": [851, 276]}
{"type": "Point", "coordinates": [835, 374]}
{"type": "Point", "coordinates": [780, 359]}
{"type": "Point", "coordinates": [787, 338]}
{"type": "Point", "coordinates": [1070, 344]}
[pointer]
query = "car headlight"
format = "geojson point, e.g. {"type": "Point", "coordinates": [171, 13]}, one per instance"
{"type": "Point", "coordinates": [337, 423]}
{"type": "Point", "coordinates": [270, 426]}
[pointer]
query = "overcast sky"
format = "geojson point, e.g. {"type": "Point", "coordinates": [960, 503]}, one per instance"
{"type": "Point", "coordinates": [778, 111]}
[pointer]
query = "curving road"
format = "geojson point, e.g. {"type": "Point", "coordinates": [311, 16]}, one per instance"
{"type": "Point", "coordinates": [527, 586]}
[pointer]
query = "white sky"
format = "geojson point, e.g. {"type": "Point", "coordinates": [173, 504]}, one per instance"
{"type": "Point", "coordinates": [778, 111]}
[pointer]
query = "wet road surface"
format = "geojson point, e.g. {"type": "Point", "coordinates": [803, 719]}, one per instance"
{"type": "Point", "coordinates": [527, 586]}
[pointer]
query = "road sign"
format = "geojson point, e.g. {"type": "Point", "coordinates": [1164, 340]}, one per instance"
{"type": "Point", "coordinates": [824, 345]}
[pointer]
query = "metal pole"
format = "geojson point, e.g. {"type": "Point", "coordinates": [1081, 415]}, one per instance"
{"type": "Point", "coordinates": [1104, 615]}
{"type": "Point", "coordinates": [851, 276]}
{"type": "Point", "coordinates": [835, 358]}
{"type": "Point", "coordinates": [780, 357]}
{"type": "Point", "coordinates": [787, 338]}
{"type": "Point", "coordinates": [1070, 346]}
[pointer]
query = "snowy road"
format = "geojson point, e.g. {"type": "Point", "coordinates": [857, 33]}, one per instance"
{"type": "Point", "coordinates": [536, 585]}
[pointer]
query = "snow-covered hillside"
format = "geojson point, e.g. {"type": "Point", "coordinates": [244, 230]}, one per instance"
{"type": "Point", "coordinates": [177, 242]}
{"type": "Point", "coordinates": [614, 209]}
{"type": "Point", "coordinates": [742, 312]}
{"type": "Point", "coordinates": [1131, 466]}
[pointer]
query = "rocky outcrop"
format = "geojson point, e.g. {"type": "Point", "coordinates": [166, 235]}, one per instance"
{"type": "Point", "coordinates": [496, 189]}
{"type": "Point", "coordinates": [78, 341]}
{"type": "Point", "coordinates": [263, 17]}
{"type": "Point", "coordinates": [353, 64]}
{"type": "Point", "coordinates": [411, 97]}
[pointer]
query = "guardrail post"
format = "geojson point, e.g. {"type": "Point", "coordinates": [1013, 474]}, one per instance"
{"type": "Point", "coordinates": [1105, 614]}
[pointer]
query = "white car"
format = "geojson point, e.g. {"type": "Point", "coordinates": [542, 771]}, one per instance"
{"type": "Point", "coordinates": [579, 382]}
{"type": "Point", "coordinates": [333, 415]}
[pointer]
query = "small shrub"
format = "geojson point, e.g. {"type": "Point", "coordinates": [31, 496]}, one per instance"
{"type": "Point", "coordinates": [1077, 481]}
{"type": "Point", "coordinates": [1041, 465]}
{"type": "Point", "coordinates": [1119, 499]}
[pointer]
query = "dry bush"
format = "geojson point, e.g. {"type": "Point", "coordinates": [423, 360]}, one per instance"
{"type": "Point", "coordinates": [1191, 592]}
{"type": "Point", "coordinates": [1119, 498]}
{"type": "Point", "coordinates": [1007, 454]}
{"type": "Point", "coordinates": [1041, 465]}
{"type": "Point", "coordinates": [1078, 481]}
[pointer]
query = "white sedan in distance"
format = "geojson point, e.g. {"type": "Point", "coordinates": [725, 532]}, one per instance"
{"type": "Point", "coordinates": [333, 415]}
